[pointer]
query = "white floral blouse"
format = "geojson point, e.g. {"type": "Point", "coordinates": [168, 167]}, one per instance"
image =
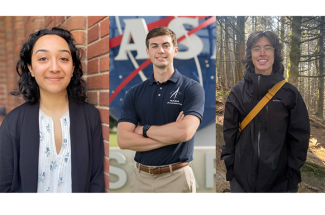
{"type": "Point", "coordinates": [54, 170]}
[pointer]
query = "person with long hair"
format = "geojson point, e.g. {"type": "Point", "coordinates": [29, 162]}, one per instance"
{"type": "Point", "coordinates": [53, 142]}
{"type": "Point", "coordinates": [267, 154]}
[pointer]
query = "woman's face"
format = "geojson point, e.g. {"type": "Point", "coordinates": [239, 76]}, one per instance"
{"type": "Point", "coordinates": [263, 56]}
{"type": "Point", "coordinates": [52, 65]}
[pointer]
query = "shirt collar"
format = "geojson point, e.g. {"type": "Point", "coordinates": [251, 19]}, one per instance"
{"type": "Point", "coordinates": [174, 78]}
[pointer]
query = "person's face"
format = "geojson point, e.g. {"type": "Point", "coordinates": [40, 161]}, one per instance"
{"type": "Point", "coordinates": [52, 64]}
{"type": "Point", "coordinates": [263, 56]}
{"type": "Point", "coordinates": [161, 51]}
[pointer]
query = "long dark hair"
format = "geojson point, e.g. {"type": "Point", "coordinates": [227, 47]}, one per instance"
{"type": "Point", "coordinates": [274, 40]}
{"type": "Point", "coordinates": [27, 85]}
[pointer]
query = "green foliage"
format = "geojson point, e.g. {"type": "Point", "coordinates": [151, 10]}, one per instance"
{"type": "Point", "coordinates": [224, 93]}
{"type": "Point", "coordinates": [314, 170]}
{"type": "Point", "coordinates": [221, 96]}
{"type": "Point", "coordinates": [113, 140]}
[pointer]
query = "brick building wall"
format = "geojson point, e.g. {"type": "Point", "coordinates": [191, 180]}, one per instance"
{"type": "Point", "coordinates": [92, 36]}
{"type": "Point", "coordinates": [3, 76]}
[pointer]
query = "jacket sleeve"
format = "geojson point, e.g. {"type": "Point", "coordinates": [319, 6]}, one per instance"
{"type": "Point", "coordinates": [298, 140]}
{"type": "Point", "coordinates": [97, 183]}
{"type": "Point", "coordinates": [230, 132]}
{"type": "Point", "coordinates": [6, 158]}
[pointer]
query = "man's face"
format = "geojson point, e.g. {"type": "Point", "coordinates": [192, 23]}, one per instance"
{"type": "Point", "coordinates": [161, 51]}
{"type": "Point", "coordinates": [263, 56]}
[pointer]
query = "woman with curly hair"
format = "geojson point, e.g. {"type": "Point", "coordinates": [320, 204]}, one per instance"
{"type": "Point", "coordinates": [53, 142]}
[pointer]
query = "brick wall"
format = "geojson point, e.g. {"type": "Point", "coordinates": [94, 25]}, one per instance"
{"type": "Point", "coordinates": [92, 36]}
{"type": "Point", "coordinates": [3, 75]}
{"type": "Point", "coordinates": [98, 75]}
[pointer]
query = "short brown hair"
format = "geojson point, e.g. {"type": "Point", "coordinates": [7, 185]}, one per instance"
{"type": "Point", "coordinates": [274, 40]}
{"type": "Point", "coordinates": [160, 31]}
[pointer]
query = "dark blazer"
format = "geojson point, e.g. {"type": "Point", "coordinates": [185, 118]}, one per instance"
{"type": "Point", "coordinates": [19, 149]}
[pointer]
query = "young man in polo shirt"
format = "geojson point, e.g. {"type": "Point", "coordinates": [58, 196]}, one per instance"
{"type": "Point", "coordinates": [159, 119]}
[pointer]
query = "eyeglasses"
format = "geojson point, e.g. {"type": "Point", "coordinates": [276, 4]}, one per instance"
{"type": "Point", "coordinates": [267, 50]}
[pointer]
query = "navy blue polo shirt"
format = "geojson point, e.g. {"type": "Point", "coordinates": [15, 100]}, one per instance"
{"type": "Point", "coordinates": [155, 103]}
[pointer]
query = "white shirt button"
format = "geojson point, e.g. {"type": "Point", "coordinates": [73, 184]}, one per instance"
{"type": "Point", "coordinates": [158, 94]}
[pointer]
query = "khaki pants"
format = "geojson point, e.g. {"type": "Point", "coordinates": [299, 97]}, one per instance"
{"type": "Point", "coordinates": [178, 181]}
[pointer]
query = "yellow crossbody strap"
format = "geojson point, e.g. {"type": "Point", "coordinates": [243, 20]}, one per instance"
{"type": "Point", "coordinates": [261, 104]}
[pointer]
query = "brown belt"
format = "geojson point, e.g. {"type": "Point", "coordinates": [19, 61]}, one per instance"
{"type": "Point", "coordinates": [159, 170]}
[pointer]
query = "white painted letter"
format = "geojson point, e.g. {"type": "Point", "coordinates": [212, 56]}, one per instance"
{"type": "Point", "coordinates": [138, 29]}
{"type": "Point", "coordinates": [193, 42]}
{"type": "Point", "coordinates": [210, 170]}
{"type": "Point", "coordinates": [120, 158]}
{"type": "Point", "coordinates": [214, 55]}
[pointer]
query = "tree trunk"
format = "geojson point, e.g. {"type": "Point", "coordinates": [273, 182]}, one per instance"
{"type": "Point", "coordinates": [278, 28]}
{"type": "Point", "coordinates": [295, 50]}
{"type": "Point", "coordinates": [315, 93]}
{"type": "Point", "coordinates": [234, 33]}
{"type": "Point", "coordinates": [218, 77]}
{"type": "Point", "coordinates": [320, 103]}
{"type": "Point", "coordinates": [307, 101]}
{"type": "Point", "coordinates": [282, 20]}
{"type": "Point", "coordinates": [264, 22]}
{"type": "Point", "coordinates": [221, 58]}
{"type": "Point", "coordinates": [282, 29]}
{"type": "Point", "coordinates": [228, 65]}
{"type": "Point", "coordinates": [240, 47]}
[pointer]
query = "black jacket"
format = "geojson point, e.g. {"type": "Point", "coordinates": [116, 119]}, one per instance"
{"type": "Point", "coordinates": [19, 149]}
{"type": "Point", "coordinates": [266, 156]}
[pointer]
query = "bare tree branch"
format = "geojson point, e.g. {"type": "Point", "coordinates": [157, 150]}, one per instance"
{"type": "Point", "coordinates": [310, 60]}
{"type": "Point", "coordinates": [224, 29]}
{"type": "Point", "coordinates": [312, 55]}
{"type": "Point", "coordinates": [311, 76]}
{"type": "Point", "coordinates": [314, 38]}
{"type": "Point", "coordinates": [310, 18]}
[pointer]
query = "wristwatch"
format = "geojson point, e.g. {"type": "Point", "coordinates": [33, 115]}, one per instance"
{"type": "Point", "coordinates": [145, 129]}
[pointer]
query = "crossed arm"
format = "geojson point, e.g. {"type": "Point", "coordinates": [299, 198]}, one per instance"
{"type": "Point", "coordinates": [130, 136]}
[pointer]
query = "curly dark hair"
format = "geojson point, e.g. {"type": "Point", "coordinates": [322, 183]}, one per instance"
{"type": "Point", "coordinates": [27, 85]}
{"type": "Point", "coordinates": [274, 40]}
